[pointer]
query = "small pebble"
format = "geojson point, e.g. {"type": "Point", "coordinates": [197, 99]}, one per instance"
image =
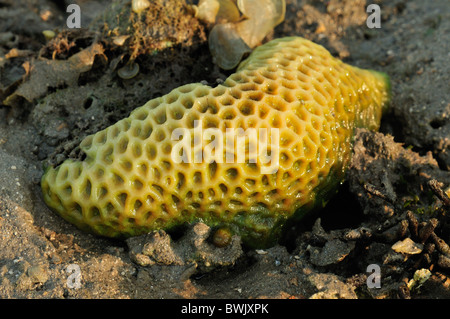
{"type": "Point", "coordinates": [222, 237]}
{"type": "Point", "coordinates": [37, 273]}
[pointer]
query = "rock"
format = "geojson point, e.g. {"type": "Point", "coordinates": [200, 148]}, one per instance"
{"type": "Point", "coordinates": [333, 252]}
{"type": "Point", "coordinates": [158, 246]}
{"type": "Point", "coordinates": [194, 248]}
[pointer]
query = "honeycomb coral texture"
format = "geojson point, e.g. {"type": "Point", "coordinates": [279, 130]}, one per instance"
{"type": "Point", "coordinates": [129, 184]}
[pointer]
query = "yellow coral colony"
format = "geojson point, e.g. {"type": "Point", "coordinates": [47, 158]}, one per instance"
{"type": "Point", "coordinates": [129, 183]}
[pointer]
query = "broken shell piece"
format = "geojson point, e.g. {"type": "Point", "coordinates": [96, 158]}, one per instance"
{"type": "Point", "coordinates": [228, 12]}
{"type": "Point", "coordinates": [275, 9]}
{"type": "Point", "coordinates": [419, 278]}
{"type": "Point", "coordinates": [48, 34]}
{"type": "Point", "coordinates": [254, 29]}
{"type": "Point", "coordinates": [139, 5]}
{"type": "Point", "coordinates": [226, 46]}
{"type": "Point", "coordinates": [407, 246]}
{"type": "Point", "coordinates": [217, 11]}
{"type": "Point", "coordinates": [120, 39]}
{"type": "Point", "coordinates": [207, 10]}
{"type": "Point", "coordinates": [128, 71]}
{"type": "Point", "coordinates": [231, 38]}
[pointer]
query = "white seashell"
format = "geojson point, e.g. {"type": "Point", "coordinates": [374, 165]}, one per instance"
{"type": "Point", "coordinates": [407, 246]}
{"type": "Point", "coordinates": [139, 5]}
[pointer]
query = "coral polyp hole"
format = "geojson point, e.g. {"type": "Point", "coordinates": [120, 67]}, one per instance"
{"type": "Point", "coordinates": [100, 138]}
{"type": "Point", "coordinates": [236, 202]}
{"type": "Point", "coordinates": [151, 151]}
{"type": "Point", "coordinates": [138, 184]}
{"type": "Point", "coordinates": [102, 192]}
{"type": "Point", "coordinates": [255, 96]}
{"type": "Point", "coordinates": [88, 188]}
{"type": "Point", "coordinates": [123, 199]}
{"type": "Point", "coordinates": [149, 200]}
{"type": "Point", "coordinates": [175, 200]}
{"type": "Point", "coordinates": [77, 210]}
{"type": "Point", "coordinates": [110, 208]}
{"type": "Point", "coordinates": [250, 182]}
{"type": "Point", "coordinates": [114, 132]}
{"type": "Point", "coordinates": [107, 155]}
{"type": "Point", "coordinates": [142, 115]}
{"type": "Point", "coordinates": [201, 91]}
{"type": "Point", "coordinates": [197, 177]}
{"type": "Point", "coordinates": [125, 124]}
{"type": "Point", "coordinates": [249, 87]}
{"type": "Point", "coordinates": [143, 168]}
{"type": "Point", "coordinates": [136, 131]}
{"type": "Point", "coordinates": [229, 115]}
{"type": "Point", "coordinates": [187, 102]}
{"type": "Point", "coordinates": [263, 112]}
{"type": "Point", "coordinates": [181, 180]}
{"type": "Point", "coordinates": [156, 173]}
{"type": "Point", "coordinates": [137, 205]}
{"type": "Point", "coordinates": [63, 174]}
{"type": "Point", "coordinates": [276, 122]}
{"type": "Point", "coordinates": [94, 212]}
{"type": "Point", "coordinates": [160, 135]}
{"type": "Point", "coordinates": [269, 75]}
{"type": "Point", "coordinates": [166, 165]}
{"type": "Point", "coordinates": [123, 144]}
{"type": "Point", "coordinates": [161, 118]}
{"type": "Point", "coordinates": [227, 100]}
{"type": "Point", "coordinates": [223, 188]}
{"type": "Point", "coordinates": [192, 120]}
{"type": "Point", "coordinates": [195, 205]}
{"type": "Point", "coordinates": [235, 93]}
{"type": "Point", "coordinates": [146, 132]}
{"type": "Point", "coordinates": [176, 114]}
{"type": "Point", "coordinates": [126, 165]}
{"type": "Point", "coordinates": [117, 179]}
{"type": "Point", "coordinates": [212, 169]}
{"type": "Point", "coordinates": [246, 108]}
{"type": "Point", "coordinates": [137, 150]}
{"type": "Point", "coordinates": [167, 148]}
{"type": "Point", "coordinates": [232, 173]}
{"type": "Point", "coordinates": [159, 189]}
{"type": "Point", "coordinates": [172, 97]}
{"type": "Point", "coordinates": [68, 190]}
{"type": "Point", "coordinates": [148, 215]}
